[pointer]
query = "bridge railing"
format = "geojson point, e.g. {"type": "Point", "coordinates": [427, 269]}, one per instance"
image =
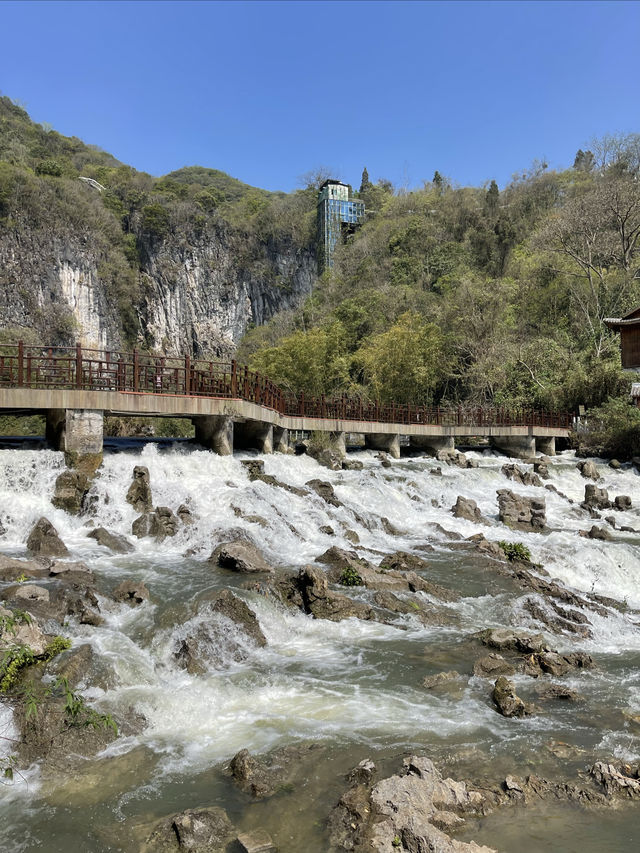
{"type": "Point", "coordinates": [39, 367]}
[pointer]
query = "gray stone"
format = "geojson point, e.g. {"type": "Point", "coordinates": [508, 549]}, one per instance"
{"type": "Point", "coordinates": [622, 502]}
{"type": "Point", "coordinates": [139, 494]}
{"type": "Point", "coordinates": [325, 491]}
{"type": "Point", "coordinates": [520, 475]}
{"type": "Point", "coordinates": [70, 491]}
{"type": "Point", "coordinates": [113, 541]}
{"type": "Point", "coordinates": [240, 557]}
{"type": "Point", "coordinates": [258, 841]}
{"type": "Point", "coordinates": [588, 469]}
{"type": "Point", "coordinates": [29, 592]}
{"type": "Point", "coordinates": [160, 523]}
{"type": "Point", "coordinates": [44, 540]}
{"type": "Point", "coordinates": [206, 830]}
{"type": "Point", "coordinates": [352, 465]}
{"type": "Point", "coordinates": [466, 508]}
{"type": "Point", "coordinates": [595, 498]}
{"type": "Point", "coordinates": [133, 592]}
{"type": "Point", "coordinates": [506, 700]}
{"type": "Point", "coordinates": [491, 666]}
{"type": "Point", "coordinates": [521, 513]}
{"type": "Point", "coordinates": [613, 463]}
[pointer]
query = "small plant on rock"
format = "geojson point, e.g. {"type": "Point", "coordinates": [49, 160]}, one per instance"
{"type": "Point", "coordinates": [350, 577]}
{"type": "Point", "coordinates": [516, 552]}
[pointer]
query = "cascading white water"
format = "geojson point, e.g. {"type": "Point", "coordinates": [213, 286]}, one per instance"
{"type": "Point", "coordinates": [352, 682]}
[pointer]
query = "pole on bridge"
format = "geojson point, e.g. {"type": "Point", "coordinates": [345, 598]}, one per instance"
{"type": "Point", "coordinates": [136, 372]}
{"type": "Point", "coordinates": [20, 363]}
{"type": "Point", "coordinates": [234, 378]}
{"type": "Point", "coordinates": [187, 374]}
{"type": "Point", "coordinates": [79, 366]}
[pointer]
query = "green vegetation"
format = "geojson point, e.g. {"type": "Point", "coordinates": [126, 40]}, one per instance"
{"type": "Point", "coordinates": [350, 577]}
{"type": "Point", "coordinates": [11, 622]}
{"type": "Point", "coordinates": [78, 713]}
{"type": "Point", "coordinates": [126, 219]}
{"type": "Point", "coordinates": [614, 430]}
{"type": "Point", "coordinates": [18, 658]}
{"type": "Point", "coordinates": [516, 552]}
{"type": "Point", "coordinates": [481, 296]}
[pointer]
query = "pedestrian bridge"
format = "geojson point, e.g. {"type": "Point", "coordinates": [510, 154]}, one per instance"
{"type": "Point", "coordinates": [231, 406]}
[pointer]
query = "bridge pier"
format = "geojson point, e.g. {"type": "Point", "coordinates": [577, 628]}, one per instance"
{"type": "Point", "coordinates": [215, 432]}
{"type": "Point", "coordinates": [389, 442]}
{"type": "Point", "coordinates": [546, 445]}
{"type": "Point", "coordinates": [338, 443]}
{"type": "Point", "coordinates": [280, 440]}
{"type": "Point", "coordinates": [432, 443]}
{"type": "Point", "coordinates": [519, 446]}
{"type": "Point", "coordinates": [75, 430]}
{"type": "Point", "coordinates": [253, 435]}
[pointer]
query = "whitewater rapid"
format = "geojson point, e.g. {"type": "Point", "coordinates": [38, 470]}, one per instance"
{"type": "Point", "coordinates": [354, 684]}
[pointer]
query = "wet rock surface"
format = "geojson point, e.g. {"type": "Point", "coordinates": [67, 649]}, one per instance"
{"type": "Point", "coordinates": [242, 557]}
{"type": "Point", "coordinates": [113, 541]}
{"type": "Point", "coordinates": [131, 592]}
{"type": "Point", "coordinates": [325, 491]}
{"type": "Point", "coordinates": [521, 513]}
{"type": "Point", "coordinates": [158, 524]}
{"type": "Point", "coordinates": [506, 700]}
{"type": "Point", "coordinates": [139, 494]}
{"type": "Point", "coordinates": [595, 498]}
{"type": "Point", "coordinates": [521, 475]}
{"type": "Point", "coordinates": [202, 830]}
{"type": "Point", "coordinates": [71, 490]}
{"type": "Point", "coordinates": [44, 540]}
{"type": "Point", "coordinates": [413, 810]}
{"type": "Point", "coordinates": [466, 508]}
{"type": "Point", "coordinates": [264, 776]}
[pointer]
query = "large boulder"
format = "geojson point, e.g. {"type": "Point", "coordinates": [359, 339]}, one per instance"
{"type": "Point", "coordinates": [44, 540]}
{"type": "Point", "coordinates": [622, 502]}
{"type": "Point", "coordinates": [491, 666]}
{"type": "Point", "coordinates": [466, 508]}
{"type": "Point", "coordinates": [16, 629]}
{"type": "Point", "coordinates": [309, 591]}
{"type": "Point", "coordinates": [413, 810]}
{"type": "Point", "coordinates": [325, 491]}
{"type": "Point", "coordinates": [595, 498]}
{"type": "Point", "coordinates": [588, 469]}
{"type": "Point", "coordinates": [205, 830]}
{"type": "Point", "coordinates": [113, 541]}
{"type": "Point", "coordinates": [160, 523]}
{"type": "Point", "coordinates": [506, 700]}
{"type": "Point", "coordinates": [131, 592]}
{"type": "Point", "coordinates": [240, 557]}
{"type": "Point", "coordinates": [71, 490]}
{"type": "Point", "coordinates": [212, 643]}
{"type": "Point", "coordinates": [521, 513]}
{"type": "Point", "coordinates": [521, 475]}
{"type": "Point", "coordinates": [139, 493]}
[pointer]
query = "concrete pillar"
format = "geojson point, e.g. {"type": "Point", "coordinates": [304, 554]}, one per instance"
{"type": "Point", "coordinates": [280, 440]}
{"type": "Point", "coordinates": [546, 445]}
{"type": "Point", "coordinates": [253, 435]}
{"type": "Point", "coordinates": [56, 422]}
{"type": "Point", "coordinates": [76, 431]}
{"type": "Point", "coordinates": [432, 443]}
{"type": "Point", "coordinates": [338, 443]}
{"type": "Point", "coordinates": [389, 442]}
{"type": "Point", "coordinates": [519, 446]}
{"type": "Point", "coordinates": [215, 432]}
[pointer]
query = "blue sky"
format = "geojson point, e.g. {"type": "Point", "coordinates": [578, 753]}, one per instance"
{"type": "Point", "coordinates": [270, 90]}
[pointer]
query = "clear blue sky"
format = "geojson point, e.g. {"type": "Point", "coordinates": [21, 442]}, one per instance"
{"type": "Point", "coordinates": [269, 90]}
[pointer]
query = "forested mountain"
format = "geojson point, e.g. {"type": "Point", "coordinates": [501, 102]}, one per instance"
{"type": "Point", "coordinates": [181, 263]}
{"type": "Point", "coordinates": [451, 294]}
{"type": "Point", "coordinates": [446, 294]}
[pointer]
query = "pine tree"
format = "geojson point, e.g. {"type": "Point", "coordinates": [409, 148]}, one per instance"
{"type": "Point", "coordinates": [493, 197]}
{"type": "Point", "coordinates": [365, 183]}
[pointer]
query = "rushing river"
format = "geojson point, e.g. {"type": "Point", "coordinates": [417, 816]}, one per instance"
{"type": "Point", "coordinates": [353, 687]}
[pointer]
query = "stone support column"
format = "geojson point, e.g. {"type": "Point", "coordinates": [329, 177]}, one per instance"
{"type": "Point", "coordinates": [389, 442]}
{"type": "Point", "coordinates": [546, 445]}
{"type": "Point", "coordinates": [215, 432]}
{"type": "Point", "coordinates": [432, 443]}
{"type": "Point", "coordinates": [253, 435]}
{"type": "Point", "coordinates": [519, 446]}
{"type": "Point", "coordinates": [280, 440]}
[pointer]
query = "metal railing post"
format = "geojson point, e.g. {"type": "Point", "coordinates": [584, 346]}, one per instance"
{"type": "Point", "coordinates": [20, 363]}
{"type": "Point", "coordinates": [187, 375]}
{"type": "Point", "coordinates": [78, 366]}
{"type": "Point", "coordinates": [136, 376]}
{"type": "Point", "coordinates": [234, 378]}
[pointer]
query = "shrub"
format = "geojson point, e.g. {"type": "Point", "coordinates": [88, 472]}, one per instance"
{"type": "Point", "coordinates": [516, 551]}
{"type": "Point", "coordinates": [350, 577]}
{"type": "Point", "coordinates": [613, 430]}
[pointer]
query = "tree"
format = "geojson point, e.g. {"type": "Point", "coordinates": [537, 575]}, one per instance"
{"type": "Point", "coordinates": [492, 198]}
{"type": "Point", "coordinates": [598, 236]}
{"type": "Point", "coordinates": [365, 183]}
{"type": "Point", "coordinates": [405, 363]}
{"type": "Point", "coordinates": [438, 180]}
{"type": "Point", "coordinates": [584, 161]}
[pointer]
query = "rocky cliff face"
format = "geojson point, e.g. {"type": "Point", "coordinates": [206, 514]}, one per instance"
{"type": "Point", "coordinates": [196, 294]}
{"type": "Point", "coordinates": [202, 295]}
